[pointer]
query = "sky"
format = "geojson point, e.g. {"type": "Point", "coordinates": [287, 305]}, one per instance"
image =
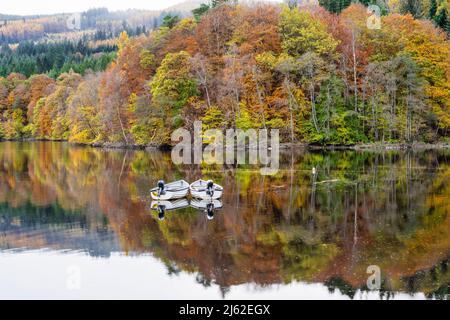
{"type": "Point", "coordinates": [29, 7]}
{"type": "Point", "coordinates": [34, 7]}
{"type": "Point", "coordinates": [74, 275]}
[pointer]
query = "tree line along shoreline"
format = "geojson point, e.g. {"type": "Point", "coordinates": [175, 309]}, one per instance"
{"type": "Point", "coordinates": [322, 79]}
{"type": "Point", "coordinates": [370, 147]}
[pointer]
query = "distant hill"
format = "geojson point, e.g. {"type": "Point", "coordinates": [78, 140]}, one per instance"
{"type": "Point", "coordinates": [186, 6]}
{"type": "Point", "coordinates": [15, 28]}
{"type": "Point", "coordinates": [8, 17]}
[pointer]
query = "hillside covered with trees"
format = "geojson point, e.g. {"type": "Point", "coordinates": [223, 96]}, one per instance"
{"type": "Point", "coordinates": [45, 44]}
{"type": "Point", "coordinates": [318, 76]}
{"type": "Point", "coordinates": [15, 29]}
{"type": "Point", "coordinates": [30, 58]}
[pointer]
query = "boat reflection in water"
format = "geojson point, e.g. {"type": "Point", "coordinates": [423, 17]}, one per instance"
{"type": "Point", "coordinates": [302, 228]}
{"type": "Point", "coordinates": [207, 206]}
{"type": "Point", "coordinates": [169, 205]}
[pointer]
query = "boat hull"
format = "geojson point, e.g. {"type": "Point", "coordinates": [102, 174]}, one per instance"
{"type": "Point", "coordinates": [199, 190]}
{"type": "Point", "coordinates": [169, 195]}
{"type": "Point", "coordinates": [175, 190]}
{"type": "Point", "coordinates": [204, 196]}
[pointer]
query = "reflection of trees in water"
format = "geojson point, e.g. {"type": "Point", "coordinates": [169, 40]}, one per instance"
{"type": "Point", "coordinates": [435, 279]}
{"type": "Point", "coordinates": [299, 225]}
{"type": "Point", "coordinates": [53, 228]}
{"type": "Point", "coordinates": [336, 283]}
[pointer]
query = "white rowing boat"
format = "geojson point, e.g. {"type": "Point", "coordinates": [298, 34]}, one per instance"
{"type": "Point", "coordinates": [206, 190]}
{"type": "Point", "coordinates": [174, 190]}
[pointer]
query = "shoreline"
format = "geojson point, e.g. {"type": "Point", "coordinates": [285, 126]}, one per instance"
{"type": "Point", "coordinates": [283, 146]}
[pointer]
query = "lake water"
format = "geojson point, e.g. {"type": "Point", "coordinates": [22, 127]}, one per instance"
{"type": "Point", "coordinates": [76, 222]}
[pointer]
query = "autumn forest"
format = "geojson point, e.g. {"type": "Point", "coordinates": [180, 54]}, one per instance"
{"type": "Point", "coordinates": [320, 77]}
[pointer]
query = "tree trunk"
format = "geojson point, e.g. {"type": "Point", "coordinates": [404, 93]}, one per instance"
{"type": "Point", "coordinates": [355, 77]}
{"type": "Point", "coordinates": [208, 100]}
{"type": "Point", "coordinates": [290, 100]}
{"type": "Point", "coordinates": [374, 120]}
{"type": "Point", "coordinates": [328, 111]}
{"type": "Point", "coordinates": [121, 125]}
{"type": "Point", "coordinates": [260, 99]}
{"type": "Point", "coordinates": [313, 106]}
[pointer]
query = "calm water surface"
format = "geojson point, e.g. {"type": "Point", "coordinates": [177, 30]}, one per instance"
{"type": "Point", "coordinates": [76, 223]}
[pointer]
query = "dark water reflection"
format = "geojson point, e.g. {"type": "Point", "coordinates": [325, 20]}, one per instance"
{"type": "Point", "coordinates": [389, 209]}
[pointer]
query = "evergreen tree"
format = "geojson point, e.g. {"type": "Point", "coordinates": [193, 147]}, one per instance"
{"type": "Point", "coordinates": [336, 6]}
{"type": "Point", "coordinates": [433, 9]}
{"type": "Point", "coordinates": [414, 7]}
{"type": "Point", "coordinates": [441, 20]}
{"type": "Point", "coordinates": [55, 58]}
{"type": "Point", "coordinates": [170, 21]}
{"type": "Point", "coordinates": [200, 11]}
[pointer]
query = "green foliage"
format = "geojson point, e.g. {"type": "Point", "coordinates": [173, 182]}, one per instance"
{"type": "Point", "coordinates": [173, 83]}
{"type": "Point", "coordinates": [275, 123]}
{"type": "Point", "coordinates": [200, 11]}
{"type": "Point", "coordinates": [170, 21]}
{"type": "Point", "coordinates": [301, 33]}
{"type": "Point", "coordinates": [414, 7]}
{"type": "Point", "coordinates": [213, 119]}
{"type": "Point", "coordinates": [433, 9]}
{"type": "Point", "coordinates": [335, 6]}
{"type": "Point", "coordinates": [55, 58]}
{"type": "Point", "coordinates": [27, 131]}
{"type": "Point", "coordinates": [147, 59]}
{"type": "Point", "coordinates": [85, 127]}
{"type": "Point", "coordinates": [441, 20]}
{"type": "Point", "coordinates": [338, 124]}
{"type": "Point", "coordinates": [13, 128]}
{"type": "Point", "coordinates": [140, 133]}
{"type": "Point", "coordinates": [38, 118]}
{"type": "Point", "coordinates": [245, 121]}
